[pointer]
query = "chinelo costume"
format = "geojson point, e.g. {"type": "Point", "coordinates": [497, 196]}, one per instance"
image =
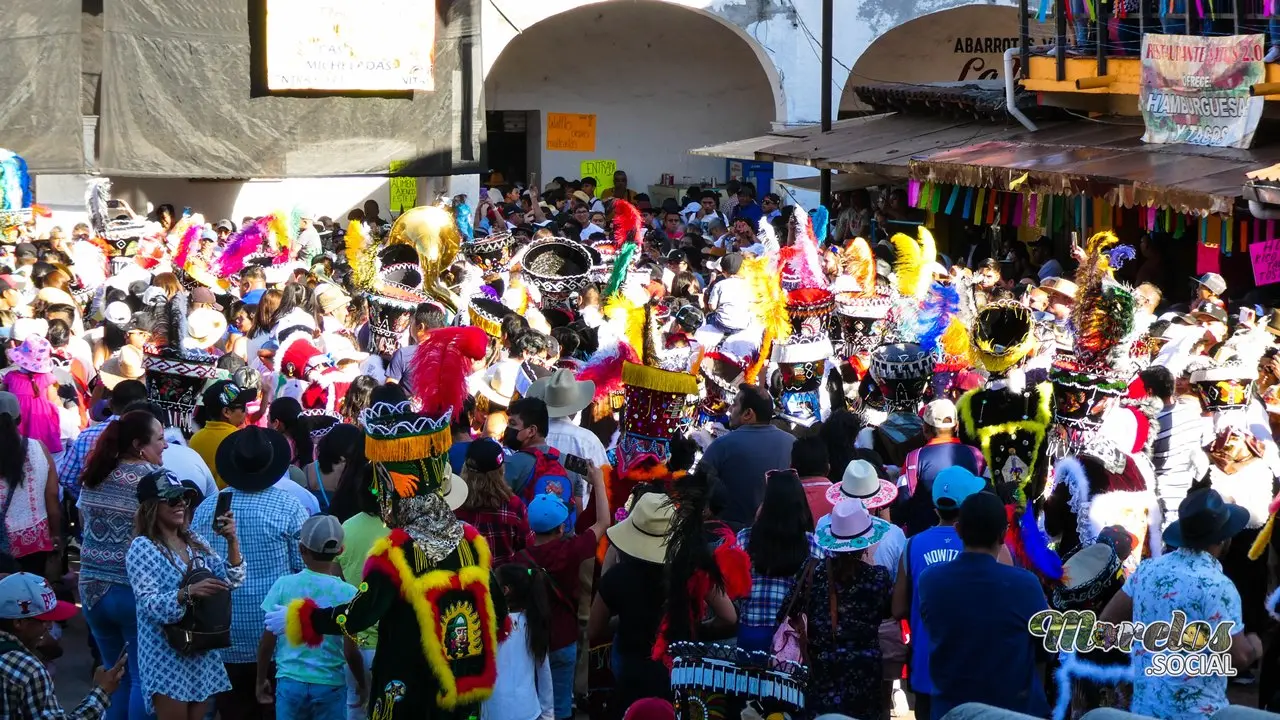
{"type": "Point", "coordinates": [177, 369]}
{"type": "Point", "coordinates": [1098, 481]}
{"type": "Point", "coordinates": [428, 585]}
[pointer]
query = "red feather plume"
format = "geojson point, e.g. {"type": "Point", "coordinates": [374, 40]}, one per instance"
{"type": "Point", "coordinates": [188, 241]}
{"type": "Point", "coordinates": [627, 224]}
{"type": "Point", "coordinates": [605, 370]}
{"type": "Point", "coordinates": [441, 365]}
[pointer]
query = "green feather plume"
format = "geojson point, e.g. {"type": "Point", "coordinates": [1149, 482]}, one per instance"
{"type": "Point", "coordinates": [621, 264]}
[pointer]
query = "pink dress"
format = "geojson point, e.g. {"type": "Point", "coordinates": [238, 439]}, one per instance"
{"type": "Point", "coordinates": [39, 416]}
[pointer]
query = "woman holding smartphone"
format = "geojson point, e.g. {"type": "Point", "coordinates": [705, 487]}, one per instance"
{"type": "Point", "coordinates": [176, 686]}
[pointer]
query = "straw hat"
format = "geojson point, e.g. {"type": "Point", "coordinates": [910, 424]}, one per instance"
{"type": "Point", "coordinates": [643, 535]}
{"type": "Point", "coordinates": [860, 482]}
{"type": "Point", "coordinates": [205, 327]}
{"type": "Point", "coordinates": [1062, 286]}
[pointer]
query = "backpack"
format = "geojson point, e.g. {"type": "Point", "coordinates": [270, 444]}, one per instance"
{"type": "Point", "coordinates": [207, 623]}
{"type": "Point", "coordinates": [549, 477]}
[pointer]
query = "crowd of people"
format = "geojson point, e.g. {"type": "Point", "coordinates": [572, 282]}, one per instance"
{"type": "Point", "coordinates": [563, 454]}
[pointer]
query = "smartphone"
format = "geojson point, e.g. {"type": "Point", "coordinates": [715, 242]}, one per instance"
{"type": "Point", "coordinates": [222, 508]}
{"type": "Point", "coordinates": [575, 464]}
{"type": "Point", "coordinates": [1247, 316]}
{"type": "Point", "coordinates": [113, 204]}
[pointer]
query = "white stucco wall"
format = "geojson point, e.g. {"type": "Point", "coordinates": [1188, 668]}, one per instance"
{"type": "Point", "coordinates": [686, 81]}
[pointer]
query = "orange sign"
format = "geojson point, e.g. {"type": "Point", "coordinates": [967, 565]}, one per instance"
{"type": "Point", "coordinates": [571, 132]}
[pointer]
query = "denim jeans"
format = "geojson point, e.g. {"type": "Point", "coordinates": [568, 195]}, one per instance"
{"type": "Point", "coordinates": [563, 663]}
{"type": "Point", "coordinates": [309, 701]}
{"type": "Point", "coordinates": [1082, 25]}
{"type": "Point", "coordinates": [113, 620]}
{"type": "Point", "coordinates": [355, 708]}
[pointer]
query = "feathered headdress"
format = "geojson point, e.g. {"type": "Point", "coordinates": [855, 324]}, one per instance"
{"type": "Point", "coordinates": [802, 260]}
{"type": "Point", "coordinates": [858, 263]}
{"type": "Point", "coordinates": [1104, 320]}
{"type": "Point", "coordinates": [190, 236]}
{"type": "Point", "coordinates": [15, 182]}
{"type": "Point", "coordinates": [96, 197]}
{"type": "Point", "coordinates": [359, 256]}
{"type": "Point", "coordinates": [940, 305]}
{"type": "Point", "coordinates": [627, 318]}
{"type": "Point", "coordinates": [245, 242]}
{"type": "Point", "coordinates": [605, 369]}
{"type": "Point", "coordinates": [441, 365]}
{"type": "Point", "coordinates": [770, 305]}
{"type": "Point", "coordinates": [913, 261]}
{"type": "Point", "coordinates": [628, 225]}
{"type": "Point", "coordinates": [821, 225]}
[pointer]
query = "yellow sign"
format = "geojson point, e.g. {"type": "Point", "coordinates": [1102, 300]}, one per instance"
{"type": "Point", "coordinates": [404, 190]}
{"type": "Point", "coordinates": [571, 132]}
{"type": "Point", "coordinates": [601, 170]}
{"type": "Point", "coordinates": [375, 45]}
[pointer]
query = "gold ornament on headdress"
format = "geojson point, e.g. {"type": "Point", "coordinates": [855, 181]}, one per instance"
{"type": "Point", "coordinates": [431, 231]}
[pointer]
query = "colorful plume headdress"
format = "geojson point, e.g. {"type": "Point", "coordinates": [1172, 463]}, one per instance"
{"type": "Point", "coordinates": [802, 262]}
{"type": "Point", "coordinates": [913, 262]}
{"type": "Point", "coordinates": [246, 242]}
{"type": "Point", "coordinates": [1104, 321]}
{"type": "Point", "coordinates": [770, 305]}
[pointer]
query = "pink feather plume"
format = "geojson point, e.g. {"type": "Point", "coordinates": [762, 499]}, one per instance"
{"type": "Point", "coordinates": [605, 370]}
{"type": "Point", "coordinates": [247, 241]}
{"type": "Point", "coordinates": [441, 365]}
{"type": "Point", "coordinates": [627, 224]}
{"type": "Point", "coordinates": [188, 241]}
{"type": "Point", "coordinates": [804, 258]}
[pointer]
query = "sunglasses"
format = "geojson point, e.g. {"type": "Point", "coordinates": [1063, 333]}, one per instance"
{"type": "Point", "coordinates": [180, 501]}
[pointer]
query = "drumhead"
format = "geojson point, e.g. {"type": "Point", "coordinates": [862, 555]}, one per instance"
{"type": "Point", "coordinates": [1087, 565]}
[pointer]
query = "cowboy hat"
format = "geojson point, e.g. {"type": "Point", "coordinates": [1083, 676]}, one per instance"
{"type": "Point", "coordinates": [860, 482]}
{"type": "Point", "coordinates": [850, 528]}
{"type": "Point", "coordinates": [125, 365]}
{"type": "Point", "coordinates": [1205, 519]}
{"type": "Point", "coordinates": [496, 383]}
{"type": "Point", "coordinates": [643, 535]}
{"type": "Point", "coordinates": [252, 458]}
{"type": "Point", "coordinates": [563, 394]}
{"type": "Point", "coordinates": [1062, 286]}
{"type": "Point", "coordinates": [205, 327]}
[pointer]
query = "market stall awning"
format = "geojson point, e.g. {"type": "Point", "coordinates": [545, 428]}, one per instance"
{"type": "Point", "coordinates": [840, 182]}
{"type": "Point", "coordinates": [1103, 159]}
{"type": "Point", "coordinates": [746, 149]}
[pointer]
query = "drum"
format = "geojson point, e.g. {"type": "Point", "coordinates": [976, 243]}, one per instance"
{"type": "Point", "coordinates": [714, 682]}
{"type": "Point", "coordinates": [1090, 576]}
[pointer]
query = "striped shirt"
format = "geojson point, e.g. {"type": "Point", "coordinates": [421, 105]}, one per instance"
{"type": "Point", "coordinates": [1177, 454]}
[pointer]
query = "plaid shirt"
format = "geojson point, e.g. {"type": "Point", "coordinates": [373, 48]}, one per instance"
{"type": "Point", "coordinates": [761, 607]}
{"type": "Point", "coordinates": [28, 689]}
{"type": "Point", "coordinates": [269, 525]}
{"type": "Point", "coordinates": [71, 464]}
{"type": "Point", "coordinates": [506, 529]}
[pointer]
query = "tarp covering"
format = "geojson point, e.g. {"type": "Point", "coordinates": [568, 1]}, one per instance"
{"type": "Point", "coordinates": [40, 77]}
{"type": "Point", "coordinates": [177, 99]}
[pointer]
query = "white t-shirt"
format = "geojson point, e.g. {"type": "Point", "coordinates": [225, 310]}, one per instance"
{"type": "Point", "coordinates": [187, 464]}
{"type": "Point", "coordinates": [302, 494]}
{"type": "Point", "coordinates": [731, 298]}
{"type": "Point", "coordinates": [523, 690]}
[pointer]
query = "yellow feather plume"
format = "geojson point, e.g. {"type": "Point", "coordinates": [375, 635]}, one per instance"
{"type": "Point", "coordinates": [278, 230]}
{"type": "Point", "coordinates": [913, 261]}
{"type": "Point", "coordinates": [857, 261]}
{"type": "Point", "coordinates": [358, 255]}
{"type": "Point", "coordinates": [770, 304]}
{"type": "Point", "coordinates": [955, 342]}
{"type": "Point", "coordinates": [629, 317]}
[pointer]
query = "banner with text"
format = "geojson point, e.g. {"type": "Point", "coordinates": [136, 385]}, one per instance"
{"type": "Point", "coordinates": [1195, 90]}
{"type": "Point", "coordinates": [573, 132]}
{"type": "Point", "coordinates": [1265, 258]}
{"type": "Point", "coordinates": [372, 45]}
{"type": "Point", "coordinates": [601, 170]}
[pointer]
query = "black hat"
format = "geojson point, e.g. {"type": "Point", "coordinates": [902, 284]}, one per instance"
{"type": "Point", "coordinates": [1204, 519]}
{"type": "Point", "coordinates": [25, 249]}
{"type": "Point", "coordinates": [485, 455]}
{"type": "Point", "coordinates": [162, 485]}
{"type": "Point", "coordinates": [670, 206]}
{"type": "Point", "coordinates": [1209, 312]}
{"type": "Point", "coordinates": [225, 394]}
{"type": "Point", "coordinates": [252, 458]}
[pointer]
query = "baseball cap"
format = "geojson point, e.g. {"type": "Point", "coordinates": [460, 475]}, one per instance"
{"type": "Point", "coordinates": [1214, 282]}
{"type": "Point", "coordinates": [25, 250]}
{"type": "Point", "coordinates": [23, 596]}
{"type": "Point", "coordinates": [546, 513]}
{"type": "Point", "coordinates": [205, 296]}
{"type": "Point", "coordinates": [1209, 312]}
{"type": "Point", "coordinates": [161, 485]}
{"type": "Point", "coordinates": [953, 485]}
{"type": "Point", "coordinates": [940, 414]}
{"type": "Point", "coordinates": [485, 455]}
{"type": "Point", "coordinates": [322, 534]}
{"type": "Point", "coordinates": [731, 263]}
{"type": "Point", "coordinates": [225, 225]}
{"type": "Point", "coordinates": [9, 405]}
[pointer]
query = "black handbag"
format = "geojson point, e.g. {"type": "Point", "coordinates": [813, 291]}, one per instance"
{"type": "Point", "coordinates": [207, 622]}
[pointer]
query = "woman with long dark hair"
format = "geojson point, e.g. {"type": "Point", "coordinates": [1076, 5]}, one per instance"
{"type": "Point", "coordinates": [337, 443]}
{"type": "Point", "coordinates": [175, 686]}
{"type": "Point", "coordinates": [127, 450]}
{"type": "Point", "coordinates": [263, 320]}
{"type": "Point", "coordinates": [778, 543]}
{"type": "Point", "coordinates": [523, 690]}
{"type": "Point", "coordinates": [32, 517]}
{"type": "Point", "coordinates": [845, 599]}
{"type": "Point", "coordinates": [285, 417]}
{"type": "Point", "coordinates": [357, 507]}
